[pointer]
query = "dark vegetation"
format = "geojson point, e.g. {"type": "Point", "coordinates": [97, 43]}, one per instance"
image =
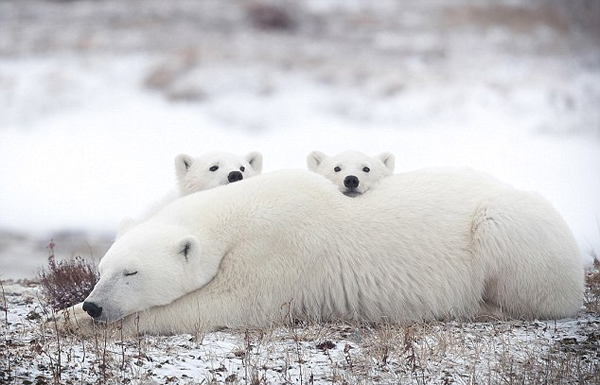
{"type": "Point", "coordinates": [65, 283]}
{"type": "Point", "coordinates": [592, 283]}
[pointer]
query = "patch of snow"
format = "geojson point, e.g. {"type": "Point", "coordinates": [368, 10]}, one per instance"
{"type": "Point", "coordinates": [327, 353]}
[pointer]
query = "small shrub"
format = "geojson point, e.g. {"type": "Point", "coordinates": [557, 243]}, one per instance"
{"type": "Point", "coordinates": [592, 283]}
{"type": "Point", "coordinates": [326, 345]}
{"type": "Point", "coordinates": [270, 17]}
{"type": "Point", "coordinates": [67, 282]}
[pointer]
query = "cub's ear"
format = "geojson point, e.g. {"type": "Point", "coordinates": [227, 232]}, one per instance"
{"type": "Point", "coordinates": [255, 159]}
{"type": "Point", "coordinates": [388, 160]}
{"type": "Point", "coordinates": [126, 224]}
{"type": "Point", "coordinates": [188, 248]}
{"type": "Point", "coordinates": [314, 159]}
{"type": "Point", "coordinates": [183, 162]}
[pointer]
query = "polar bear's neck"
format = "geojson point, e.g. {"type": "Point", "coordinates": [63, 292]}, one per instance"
{"type": "Point", "coordinates": [225, 217]}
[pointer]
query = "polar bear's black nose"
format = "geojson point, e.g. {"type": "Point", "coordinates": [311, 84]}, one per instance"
{"type": "Point", "coordinates": [234, 176]}
{"type": "Point", "coordinates": [92, 309]}
{"type": "Point", "coordinates": [351, 181]}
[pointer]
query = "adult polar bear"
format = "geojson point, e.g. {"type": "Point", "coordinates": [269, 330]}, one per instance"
{"type": "Point", "coordinates": [423, 245]}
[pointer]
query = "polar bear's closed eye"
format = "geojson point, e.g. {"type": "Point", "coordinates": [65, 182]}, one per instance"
{"type": "Point", "coordinates": [136, 276]}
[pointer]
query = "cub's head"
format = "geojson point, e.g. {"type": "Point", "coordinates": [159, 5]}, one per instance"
{"type": "Point", "coordinates": [352, 171]}
{"type": "Point", "coordinates": [214, 169]}
{"type": "Point", "coordinates": [150, 265]}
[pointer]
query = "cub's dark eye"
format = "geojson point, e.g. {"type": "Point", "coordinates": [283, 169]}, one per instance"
{"type": "Point", "coordinates": [214, 168]}
{"type": "Point", "coordinates": [337, 169]}
{"type": "Point", "coordinates": [242, 169]}
{"type": "Point", "coordinates": [129, 273]}
{"type": "Point", "coordinates": [366, 169]}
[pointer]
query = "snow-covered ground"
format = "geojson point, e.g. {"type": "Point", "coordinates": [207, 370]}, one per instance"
{"type": "Point", "coordinates": [522, 352]}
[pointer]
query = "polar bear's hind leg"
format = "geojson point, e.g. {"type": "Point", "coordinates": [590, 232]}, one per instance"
{"type": "Point", "coordinates": [528, 256]}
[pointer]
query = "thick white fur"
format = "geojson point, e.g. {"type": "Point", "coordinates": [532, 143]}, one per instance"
{"type": "Point", "coordinates": [430, 244]}
{"type": "Point", "coordinates": [194, 174]}
{"type": "Point", "coordinates": [352, 163]}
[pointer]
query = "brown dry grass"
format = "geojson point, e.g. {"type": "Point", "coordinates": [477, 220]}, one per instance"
{"type": "Point", "coordinates": [67, 282]}
{"type": "Point", "coordinates": [518, 19]}
{"type": "Point", "coordinates": [592, 283]}
{"type": "Point", "coordinates": [497, 352]}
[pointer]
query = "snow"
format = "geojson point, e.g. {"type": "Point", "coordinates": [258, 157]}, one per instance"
{"type": "Point", "coordinates": [83, 143]}
{"type": "Point", "coordinates": [563, 351]}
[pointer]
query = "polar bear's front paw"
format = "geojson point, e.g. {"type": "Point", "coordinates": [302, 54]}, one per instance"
{"type": "Point", "coordinates": [73, 319]}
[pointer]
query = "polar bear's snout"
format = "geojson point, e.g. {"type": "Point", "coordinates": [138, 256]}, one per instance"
{"type": "Point", "coordinates": [351, 182]}
{"type": "Point", "coordinates": [234, 176]}
{"type": "Point", "coordinates": [92, 309]}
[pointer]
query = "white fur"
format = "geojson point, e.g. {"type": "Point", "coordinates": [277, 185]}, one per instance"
{"type": "Point", "coordinates": [424, 245]}
{"type": "Point", "coordinates": [367, 170]}
{"type": "Point", "coordinates": [195, 174]}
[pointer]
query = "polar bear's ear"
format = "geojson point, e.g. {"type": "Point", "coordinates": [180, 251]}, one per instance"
{"type": "Point", "coordinates": [388, 159]}
{"type": "Point", "coordinates": [314, 159]}
{"type": "Point", "coordinates": [183, 162]}
{"type": "Point", "coordinates": [188, 247]}
{"type": "Point", "coordinates": [255, 159]}
{"type": "Point", "coordinates": [126, 224]}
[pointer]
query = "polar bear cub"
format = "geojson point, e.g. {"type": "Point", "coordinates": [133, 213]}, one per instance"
{"type": "Point", "coordinates": [214, 169]}
{"type": "Point", "coordinates": [202, 173]}
{"type": "Point", "coordinates": [352, 171]}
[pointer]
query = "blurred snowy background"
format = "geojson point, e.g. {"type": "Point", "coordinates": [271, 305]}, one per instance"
{"type": "Point", "coordinates": [98, 96]}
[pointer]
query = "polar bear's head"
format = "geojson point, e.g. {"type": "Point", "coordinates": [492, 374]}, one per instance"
{"type": "Point", "coordinates": [352, 171]}
{"type": "Point", "coordinates": [149, 265]}
{"type": "Point", "coordinates": [214, 169]}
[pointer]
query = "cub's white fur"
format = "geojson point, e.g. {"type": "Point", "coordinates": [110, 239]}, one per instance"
{"type": "Point", "coordinates": [352, 171]}
{"type": "Point", "coordinates": [425, 245]}
{"type": "Point", "coordinates": [214, 169]}
{"type": "Point", "coordinates": [204, 172]}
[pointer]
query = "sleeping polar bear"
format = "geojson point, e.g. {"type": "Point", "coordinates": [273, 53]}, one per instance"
{"type": "Point", "coordinates": [424, 245]}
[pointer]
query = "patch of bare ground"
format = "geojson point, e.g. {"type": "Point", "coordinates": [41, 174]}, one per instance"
{"type": "Point", "coordinates": [518, 19]}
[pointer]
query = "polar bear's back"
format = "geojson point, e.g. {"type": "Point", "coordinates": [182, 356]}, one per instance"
{"type": "Point", "coordinates": [405, 251]}
{"type": "Point", "coordinates": [422, 193]}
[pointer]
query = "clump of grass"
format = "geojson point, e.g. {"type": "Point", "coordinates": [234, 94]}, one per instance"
{"type": "Point", "coordinates": [65, 283]}
{"type": "Point", "coordinates": [592, 283]}
{"type": "Point", "coordinates": [270, 17]}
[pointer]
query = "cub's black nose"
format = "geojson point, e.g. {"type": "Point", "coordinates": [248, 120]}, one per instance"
{"type": "Point", "coordinates": [92, 309]}
{"type": "Point", "coordinates": [234, 176]}
{"type": "Point", "coordinates": [351, 181]}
